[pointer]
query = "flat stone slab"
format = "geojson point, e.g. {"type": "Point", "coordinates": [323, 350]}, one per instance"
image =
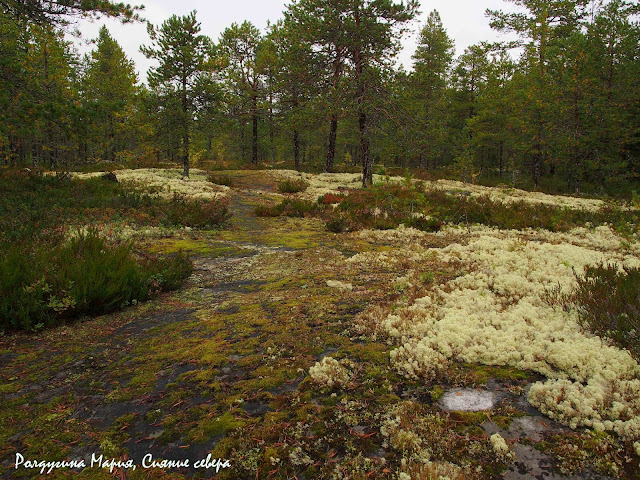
{"type": "Point", "coordinates": [469, 400]}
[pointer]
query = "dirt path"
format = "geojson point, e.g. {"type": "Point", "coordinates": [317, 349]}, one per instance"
{"type": "Point", "coordinates": [222, 366]}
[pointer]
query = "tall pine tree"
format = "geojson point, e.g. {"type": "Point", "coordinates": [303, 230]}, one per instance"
{"type": "Point", "coordinates": [183, 55]}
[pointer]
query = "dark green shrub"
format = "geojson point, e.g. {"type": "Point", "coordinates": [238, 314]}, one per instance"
{"type": "Point", "coordinates": [268, 211]}
{"type": "Point", "coordinates": [225, 180]}
{"type": "Point", "coordinates": [337, 224]}
{"type": "Point", "coordinates": [97, 278]}
{"type": "Point", "coordinates": [168, 273]}
{"type": "Point", "coordinates": [608, 302]}
{"type": "Point", "coordinates": [25, 289]}
{"type": "Point", "coordinates": [428, 224]}
{"type": "Point", "coordinates": [197, 213]}
{"type": "Point", "coordinates": [289, 207]}
{"type": "Point", "coordinates": [43, 284]}
{"type": "Point", "coordinates": [292, 186]}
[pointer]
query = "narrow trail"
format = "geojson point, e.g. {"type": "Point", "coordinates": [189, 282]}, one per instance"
{"type": "Point", "coordinates": [221, 367]}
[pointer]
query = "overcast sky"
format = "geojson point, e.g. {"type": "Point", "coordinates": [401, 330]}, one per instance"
{"type": "Point", "coordinates": [464, 20]}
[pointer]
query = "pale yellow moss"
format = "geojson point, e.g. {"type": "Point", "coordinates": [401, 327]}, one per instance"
{"type": "Point", "coordinates": [495, 314]}
{"type": "Point", "coordinates": [167, 182]}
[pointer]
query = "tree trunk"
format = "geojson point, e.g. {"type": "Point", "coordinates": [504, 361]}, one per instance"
{"type": "Point", "coordinates": [254, 120]}
{"type": "Point", "coordinates": [367, 170]}
{"type": "Point", "coordinates": [333, 121]}
{"type": "Point", "coordinates": [296, 149]}
{"type": "Point", "coordinates": [243, 141]}
{"type": "Point", "coordinates": [367, 173]}
{"type": "Point", "coordinates": [331, 149]}
{"type": "Point", "coordinates": [185, 133]}
{"type": "Point", "coordinates": [271, 131]}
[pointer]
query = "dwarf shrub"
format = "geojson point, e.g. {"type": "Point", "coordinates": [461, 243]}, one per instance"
{"type": "Point", "coordinates": [608, 302]}
{"type": "Point", "coordinates": [44, 284]}
{"type": "Point", "coordinates": [292, 186]}
{"type": "Point", "coordinates": [197, 213]}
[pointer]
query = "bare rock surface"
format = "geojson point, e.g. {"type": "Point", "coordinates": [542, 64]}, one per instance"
{"type": "Point", "coordinates": [469, 400]}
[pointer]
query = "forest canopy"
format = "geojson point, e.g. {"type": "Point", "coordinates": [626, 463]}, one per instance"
{"type": "Point", "coordinates": [320, 90]}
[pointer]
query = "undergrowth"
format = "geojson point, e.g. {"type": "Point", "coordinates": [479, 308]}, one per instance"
{"type": "Point", "coordinates": [608, 301]}
{"type": "Point", "coordinates": [38, 206]}
{"type": "Point", "coordinates": [292, 186]}
{"type": "Point", "coordinates": [196, 213]}
{"type": "Point", "coordinates": [44, 284]}
{"type": "Point", "coordinates": [387, 206]}
{"type": "Point", "coordinates": [225, 180]}
{"type": "Point", "coordinates": [48, 274]}
{"type": "Point", "coordinates": [289, 207]}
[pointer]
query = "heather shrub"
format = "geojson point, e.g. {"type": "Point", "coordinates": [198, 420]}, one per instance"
{"type": "Point", "coordinates": [337, 224]}
{"type": "Point", "coordinates": [331, 198]}
{"type": "Point", "coordinates": [608, 302]}
{"type": "Point", "coordinates": [42, 284]}
{"type": "Point", "coordinates": [292, 186]}
{"type": "Point", "coordinates": [197, 213]}
{"type": "Point", "coordinates": [225, 180]}
{"type": "Point", "coordinates": [389, 205]}
{"type": "Point", "coordinates": [289, 207]}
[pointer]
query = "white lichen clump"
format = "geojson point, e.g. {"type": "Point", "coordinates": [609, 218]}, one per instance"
{"type": "Point", "coordinates": [509, 195]}
{"type": "Point", "coordinates": [329, 373]}
{"type": "Point", "coordinates": [499, 445]}
{"type": "Point", "coordinates": [323, 183]}
{"type": "Point", "coordinates": [165, 182]}
{"type": "Point", "coordinates": [495, 314]}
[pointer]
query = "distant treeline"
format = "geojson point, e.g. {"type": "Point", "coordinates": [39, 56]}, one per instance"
{"type": "Point", "coordinates": [320, 90]}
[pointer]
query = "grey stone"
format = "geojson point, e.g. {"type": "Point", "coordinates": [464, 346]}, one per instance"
{"type": "Point", "coordinates": [469, 400]}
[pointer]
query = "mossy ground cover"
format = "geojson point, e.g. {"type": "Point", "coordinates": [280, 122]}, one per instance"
{"type": "Point", "coordinates": [221, 367]}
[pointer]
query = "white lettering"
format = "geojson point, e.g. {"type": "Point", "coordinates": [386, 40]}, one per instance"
{"type": "Point", "coordinates": [47, 467]}
{"type": "Point", "coordinates": [144, 460]}
{"type": "Point", "coordinates": [217, 463]}
{"type": "Point", "coordinates": [149, 462]}
{"type": "Point", "coordinates": [96, 460]}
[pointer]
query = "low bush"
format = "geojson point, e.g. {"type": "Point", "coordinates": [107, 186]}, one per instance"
{"type": "Point", "coordinates": [380, 207]}
{"type": "Point", "coordinates": [608, 301]}
{"type": "Point", "coordinates": [292, 186]}
{"type": "Point", "coordinates": [43, 284]}
{"type": "Point", "coordinates": [289, 207]}
{"type": "Point", "coordinates": [387, 206]}
{"type": "Point", "coordinates": [197, 213]}
{"type": "Point", "coordinates": [331, 199]}
{"type": "Point", "coordinates": [337, 224]}
{"type": "Point", "coordinates": [225, 180]}
{"type": "Point", "coordinates": [34, 207]}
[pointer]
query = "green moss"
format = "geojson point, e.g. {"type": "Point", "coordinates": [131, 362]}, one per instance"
{"type": "Point", "coordinates": [213, 426]}
{"type": "Point", "coordinates": [7, 388]}
{"type": "Point", "coordinates": [198, 246]}
{"type": "Point", "coordinates": [436, 393]}
{"type": "Point", "coordinates": [143, 379]}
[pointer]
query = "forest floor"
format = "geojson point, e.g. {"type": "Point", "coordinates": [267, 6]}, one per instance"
{"type": "Point", "coordinates": [221, 367]}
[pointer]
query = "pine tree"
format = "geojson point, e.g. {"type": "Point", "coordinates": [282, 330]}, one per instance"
{"type": "Point", "coordinates": [109, 91]}
{"type": "Point", "coordinates": [60, 13]}
{"type": "Point", "coordinates": [239, 50]}
{"type": "Point", "coordinates": [183, 55]}
{"type": "Point", "coordinates": [322, 25]}
{"type": "Point", "coordinates": [543, 25]}
{"type": "Point", "coordinates": [295, 79]}
{"type": "Point", "coordinates": [432, 62]}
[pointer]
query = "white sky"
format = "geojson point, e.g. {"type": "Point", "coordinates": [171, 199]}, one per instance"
{"type": "Point", "coordinates": [464, 21]}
